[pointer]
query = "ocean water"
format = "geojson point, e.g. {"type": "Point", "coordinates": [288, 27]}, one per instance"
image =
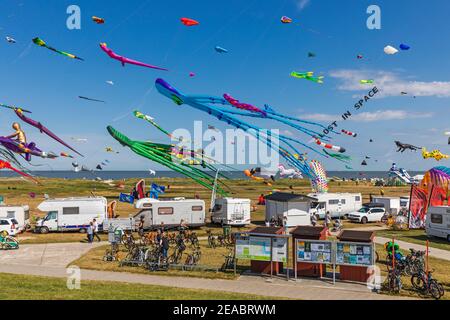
{"type": "Point", "coordinates": [118, 175]}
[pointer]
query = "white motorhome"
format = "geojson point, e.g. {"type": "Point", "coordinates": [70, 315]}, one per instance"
{"type": "Point", "coordinates": [393, 205]}
{"type": "Point", "coordinates": [338, 204]}
{"type": "Point", "coordinates": [20, 213]}
{"type": "Point", "coordinates": [71, 214]}
{"type": "Point", "coordinates": [289, 209]}
{"type": "Point", "coordinates": [438, 222]}
{"type": "Point", "coordinates": [170, 212]}
{"type": "Point", "coordinates": [232, 212]}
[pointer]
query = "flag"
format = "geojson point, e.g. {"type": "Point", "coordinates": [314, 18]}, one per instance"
{"type": "Point", "coordinates": [126, 198]}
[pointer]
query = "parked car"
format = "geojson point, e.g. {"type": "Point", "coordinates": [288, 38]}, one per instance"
{"type": "Point", "coordinates": [370, 212]}
{"type": "Point", "coordinates": [9, 226]}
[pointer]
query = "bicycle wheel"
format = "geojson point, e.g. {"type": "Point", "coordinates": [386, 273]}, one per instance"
{"type": "Point", "coordinates": [434, 290]}
{"type": "Point", "coordinates": [439, 287]}
{"type": "Point", "coordinates": [417, 282]}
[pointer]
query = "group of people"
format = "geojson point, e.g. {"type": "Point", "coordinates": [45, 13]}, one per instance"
{"type": "Point", "coordinates": [337, 224]}
{"type": "Point", "coordinates": [92, 231]}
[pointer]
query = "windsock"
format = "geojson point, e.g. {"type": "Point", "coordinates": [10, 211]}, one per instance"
{"type": "Point", "coordinates": [351, 134]}
{"type": "Point", "coordinates": [330, 146]}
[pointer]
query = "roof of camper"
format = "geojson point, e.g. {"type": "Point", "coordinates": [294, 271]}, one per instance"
{"type": "Point", "coordinates": [76, 199]}
{"type": "Point", "coordinates": [289, 197]}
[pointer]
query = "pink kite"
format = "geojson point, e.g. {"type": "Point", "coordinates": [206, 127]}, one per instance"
{"type": "Point", "coordinates": [124, 60]}
{"type": "Point", "coordinates": [189, 22]}
{"type": "Point", "coordinates": [235, 103]}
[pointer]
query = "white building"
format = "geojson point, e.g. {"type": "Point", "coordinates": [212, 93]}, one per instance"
{"type": "Point", "coordinates": [292, 208]}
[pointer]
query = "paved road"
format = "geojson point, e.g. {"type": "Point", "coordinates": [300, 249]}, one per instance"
{"type": "Point", "coordinates": [50, 260]}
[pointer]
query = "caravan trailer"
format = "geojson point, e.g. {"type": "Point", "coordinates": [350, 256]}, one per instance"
{"type": "Point", "coordinates": [71, 214]}
{"type": "Point", "coordinates": [170, 212]}
{"type": "Point", "coordinates": [20, 213]}
{"type": "Point", "coordinates": [232, 212]}
{"type": "Point", "coordinates": [338, 204]}
{"type": "Point", "coordinates": [438, 222]}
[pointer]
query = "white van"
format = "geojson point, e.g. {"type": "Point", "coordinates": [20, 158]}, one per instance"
{"type": "Point", "coordinates": [71, 214]}
{"type": "Point", "coordinates": [393, 205]}
{"type": "Point", "coordinates": [438, 222]}
{"type": "Point", "coordinates": [338, 204]}
{"type": "Point", "coordinates": [232, 212]}
{"type": "Point", "coordinates": [170, 212]}
{"type": "Point", "coordinates": [20, 213]}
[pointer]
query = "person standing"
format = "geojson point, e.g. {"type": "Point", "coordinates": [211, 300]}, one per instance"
{"type": "Point", "coordinates": [90, 232]}
{"type": "Point", "coordinates": [95, 230]}
{"type": "Point", "coordinates": [141, 226]}
{"type": "Point", "coordinates": [313, 219]}
{"type": "Point", "coordinates": [327, 219]}
{"type": "Point", "coordinates": [165, 245]}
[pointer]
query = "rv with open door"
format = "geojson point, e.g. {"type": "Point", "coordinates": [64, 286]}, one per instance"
{"type": "Point", "coordinates": [170, 212]}
{"type": "Point", "coordinates": [338, 204]}
{"type": "Point", "coordinates": [438, 222]}
{"type": "Point", "coordinates": [71, 214]}
{"type": "Point", "coordinates": [20, 213]}
{"type": "Point", "coordinates": [232, 212]}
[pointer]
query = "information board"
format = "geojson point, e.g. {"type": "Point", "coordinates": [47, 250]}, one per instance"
{"type": "Point", "coordinates": [354, 254]}
{"type": "Point", "coordinates": [260, 248]}
{"type": "Point", "coordinates": [243, 248]}
{"type": "Point", "coordinates": [314, 251]}
{"type": "Point", "coordinates": [279, 249]}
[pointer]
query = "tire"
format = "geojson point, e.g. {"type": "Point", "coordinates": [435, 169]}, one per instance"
{"type": "Point", "coordinates": [43, 230]}
{"type": "Point", "coordinates": [417, 282]}
{"type": "Point", "coordinates": [83, 231]}
{"type": "Point", "coordinates": [364, 220]}
{"type": "Point", "coordinates": [439, 287]}
{"type": "Point", "coordinates": [435, 291]}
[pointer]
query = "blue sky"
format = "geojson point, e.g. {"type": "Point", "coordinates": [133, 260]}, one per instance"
{"type": "Point", "coordinates": [263, 52]}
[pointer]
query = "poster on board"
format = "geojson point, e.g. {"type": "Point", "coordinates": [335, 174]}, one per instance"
{"type": "Point", "coordinates": [260, 248]}
{"type": "Point", "coordinates": [314, 251]}
{"type": "Point", "coordinates": [355, 254]}
{"type": "Point", "coordinates": [279, 249]}
{"type": "Point", "coordinates": [243, 248]}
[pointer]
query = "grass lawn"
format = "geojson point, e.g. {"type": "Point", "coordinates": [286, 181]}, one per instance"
{"type": "Point", "coordinates": [415, 236]}
{"type": "Point", "coordinates": [18, 287]}
{"type": "Point", "coordinates": [441, 273]}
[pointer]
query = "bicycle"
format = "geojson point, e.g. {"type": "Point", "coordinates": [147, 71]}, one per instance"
{"type": "Point", "coordinates": [128, 240]}
{"type": "Point", "coordinates": [194, 258]}
{"type": "Point", "coordinates": [425, 283]}
{"type": "Point", "coordinates": [229, 261]}
{"type": "Point", "coordinates": [394, 280]}
{"type": "Point", "coordinates": [112, 254]}
{"type": "Point", "coordinates": [211, 240]}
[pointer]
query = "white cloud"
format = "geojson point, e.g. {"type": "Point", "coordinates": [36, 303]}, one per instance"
{"type": "Point", "coordinates": [301, 4]}
{"type": "Point", "coordinates": [379, 115]}
{"type": "Point", "coordinates": [390, 83]}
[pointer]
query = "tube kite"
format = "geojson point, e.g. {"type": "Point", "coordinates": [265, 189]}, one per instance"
{"type": "Point", "coordinates": [14, 108]}
{"type": "Point", "coordinates": [235, 103]}
{"type": "Point", "coordinates": [43, 129]}
{"type": "Point", "coordinates": [41, 43]}
{"type": "Point", "coordinates": [90, 99]}
{"type": "Point", "coordinates": [98, 20]}
{"type": "Point", "coordinates": [348, 133]}
{"type": "Point", "coordinates": [435, 154]}
{"type": "Point", "coordinates": [338, 156]}
{"type": "Point", "coordinates": [308, 76]}
{"type": "Point", "coordinates": [330, 146]}
{"type": "Point", "coordinates": [124, 60]}
{"type": "Point", "coordinates": [286, 20]}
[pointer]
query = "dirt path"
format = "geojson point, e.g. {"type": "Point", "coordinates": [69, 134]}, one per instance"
{"type": "Point", "coordinates": [51, 260]}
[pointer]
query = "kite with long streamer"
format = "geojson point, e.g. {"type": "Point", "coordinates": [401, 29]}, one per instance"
{"type": "Point", "coordinates": [7, 165]}
{"type": "Point", "coordinates": [42, 43]}
{"type": "Point", "coordinates": [210, 105]}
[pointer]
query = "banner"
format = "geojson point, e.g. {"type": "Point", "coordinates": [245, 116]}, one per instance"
{"type": "Point", "coordinates": [418, 207]}
{"type": "Point", "coordinates": [279, 249]}
{"type": "Point", "coordinates": [260, 248]}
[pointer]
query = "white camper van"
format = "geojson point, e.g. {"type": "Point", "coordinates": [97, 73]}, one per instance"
{"type": "Point", "coordinates": [20, 213]}
{"type": "Point", "coordinates": [289, 209]}
{"type": "Point", "coordinates": [232, 212]}
{"type": "Point", "coordinates": [338, 204]}
{"type": "Point", "coordinates": [393, 205]}
{"type": "Point", "coordinates": [71, 214]}
{"type": "Point", "coordinates": [170, 212]}
{"type": "Point", "coordinates": [438, 222]}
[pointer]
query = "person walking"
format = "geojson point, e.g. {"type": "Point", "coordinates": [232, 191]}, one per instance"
{"type": "Point", "coordinates": [95, 231]}
{"type": "Point", "coordinates": [90, 232]}
{"type": "Point", "coordinates": [141, 226]}
{"type": "Point", "coordinates": [313, 219]}
{"type": "Point", "coordinates": [165, 245]}
{"type": "Point", "coordinates": [327, 219]}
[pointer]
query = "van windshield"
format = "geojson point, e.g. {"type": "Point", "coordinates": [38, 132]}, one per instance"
{"type": "Point", "coordinates": [14, 221]}
{"type": "Point", "coordinates": [51, 215]}
{"type": "Point", "coordinates": [364, 210]}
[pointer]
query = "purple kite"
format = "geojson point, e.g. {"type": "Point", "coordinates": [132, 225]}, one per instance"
{"type": "Point", "coordinates": [43, 129]}
{"type": "Point", "coordinates": [244, 106]}
{"type": "Point", "coordinates": [28, 149]}
{"type": "Point", "coordinates": [125, 60]}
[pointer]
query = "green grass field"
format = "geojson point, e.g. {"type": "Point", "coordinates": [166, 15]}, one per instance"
{"type": "Point", "coordinates": [17, 287]}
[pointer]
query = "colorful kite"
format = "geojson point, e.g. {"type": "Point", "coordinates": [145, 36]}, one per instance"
{"type": "Point", "coordinates": [124, 60]}
{"type": "Point", "coordinates": [330, 146]}
{"type": "Point", "coordinates": [43, 129]}
{"type": "Point", "coordinates": [14, 108]}
{"type": "Point", "coordinates": [404, 47]}
{"type": "Point", "coordinates": [189, 22]}
{"type": "Point", "coordinates": [370, 81]}
{"type": "Point", "coordinates": [244, 106]}
{"type": "Point", "coordinates": [10, 40]}
{"type": "Point", "coordinates": [90, 99]}
{"type": "Point", "coordinates": [308, 76]}
{"type": "Point", "coordinates": [348, 133]}
{"type": "Point", "coordinates": [7, 165]}
{"type": "Point", "coordinates": [66, 155]}
{"type": "Point", "coordinates": [435, 154]}
{"type": "Point", "coordinates": [338, 156]}
{"type": "Point", "coordinates": [41, 43]}
{"type": "Point", "coordinates": [98, 20]}
{"type": "Point", "coordinates": [390, 50]}
{"type": "Point", "coordinates": [286, 20]}
{"type": "Point", "coordinates": [320, 183]}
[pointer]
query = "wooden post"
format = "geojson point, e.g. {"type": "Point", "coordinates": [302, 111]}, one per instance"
{"type": "Point", "coordinates": [427, 261]}
{"type": "Point", "coordinates": [393, 254]}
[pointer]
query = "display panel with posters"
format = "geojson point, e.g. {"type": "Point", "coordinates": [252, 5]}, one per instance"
{"type": "Point", "coordinates": [314, 251]}
{"type": "Point", "coordinates": [354, 254]}
{"type": "Point", "coordinates": [279, 249]}
{"type": "Point", "coordinates": [243, 247]}
{"type": "Point", "coordinates": [260, 248]}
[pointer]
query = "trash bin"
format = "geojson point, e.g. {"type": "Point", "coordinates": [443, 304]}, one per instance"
{"type": "Point", "coordinates": [309, 233]}
{"type": "Point", "coordinates": [226, 231]}
{"type": "Point", "coordinates": [355, 273]}
{"type": "Point", "coordinates": [264, 266]}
